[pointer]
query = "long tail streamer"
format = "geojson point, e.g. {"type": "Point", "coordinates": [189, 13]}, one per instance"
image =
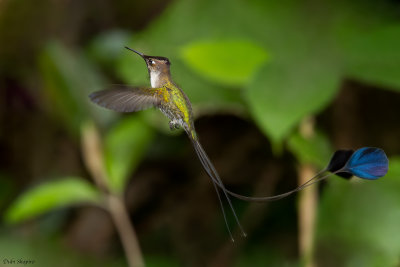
{"type": "Point", "coordinates": [212, 173]}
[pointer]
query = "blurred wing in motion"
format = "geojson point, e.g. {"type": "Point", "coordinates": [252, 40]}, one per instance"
{"type": "Point", "coordinates": [127, 99]}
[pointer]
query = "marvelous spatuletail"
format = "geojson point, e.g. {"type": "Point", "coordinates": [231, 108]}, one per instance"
{"type": "Point", "coordinates": [164, 94]}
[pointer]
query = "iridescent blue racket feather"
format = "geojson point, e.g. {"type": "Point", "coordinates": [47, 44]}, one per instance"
{"type": "Point", "coordinates": [368, 163]}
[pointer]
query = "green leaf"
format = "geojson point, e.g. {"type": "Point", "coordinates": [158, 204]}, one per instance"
{"type": "Point", "coordinates": [57, 68]}
{"type": "Point", "coordinates": [68, 80]}
{"type": "Point", "coordinates": [51, 195]}
{"type": "Point", "coordinates": [315, 150]}
{"type": "Point", "coordinates": [125, 145]}
{"type": "Point", "coordinates": [279, 97]}
{"type": "Point", "coordinates": [374, 56]}
{"type": "Point", "coordinates": [358, 220]}
{"type": "Point", "coordinates": [232, 62]}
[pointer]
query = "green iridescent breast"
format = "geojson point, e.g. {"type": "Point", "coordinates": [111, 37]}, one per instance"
{"type": "Point", "coordinates": [178, 103]}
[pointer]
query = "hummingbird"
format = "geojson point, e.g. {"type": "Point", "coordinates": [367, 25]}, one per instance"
{"type": "Point", "coordinates": [165, 95]}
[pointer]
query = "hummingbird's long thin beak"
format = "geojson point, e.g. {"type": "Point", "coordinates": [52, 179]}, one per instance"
{"type": "Point", "coordinates": [140, 54]}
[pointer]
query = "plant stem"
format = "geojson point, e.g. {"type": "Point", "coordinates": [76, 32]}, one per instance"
{"type": "Point", "coordinates": [92, 153]}
{"type": "Point", "coordinates": [307, 202]}
{"type": "Point", "coordinates": [93, 157]}
{"type": "Point", "coordinates": [306, 216]}
{"type": "Point", "coordinates": [125, 230]}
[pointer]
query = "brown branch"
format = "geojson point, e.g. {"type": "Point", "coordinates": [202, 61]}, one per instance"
{"type": "Point", "coordinates": [306, 215]}
{"type": "Point", "coordinates": [125, 230]}
{"type": "Point", "coordinates": [307, 202]}
{"type": "Point", "coordinates": [92, 153]}
{"type": "Point", "coordinates": [93, 157]}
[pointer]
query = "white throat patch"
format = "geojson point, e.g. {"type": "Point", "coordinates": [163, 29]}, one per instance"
{"type": "Point", "coordinates": [154, 79]}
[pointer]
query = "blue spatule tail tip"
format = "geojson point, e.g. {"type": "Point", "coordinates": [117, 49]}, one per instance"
{"type": "Point", "coordinates": [368, 163]}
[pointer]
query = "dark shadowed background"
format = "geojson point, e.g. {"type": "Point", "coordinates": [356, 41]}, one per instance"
{"type": "Point", "coordinates": [276, 88]}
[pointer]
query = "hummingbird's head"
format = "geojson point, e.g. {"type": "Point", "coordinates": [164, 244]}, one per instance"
{"type": "Point", "coordinates": [158, 67]}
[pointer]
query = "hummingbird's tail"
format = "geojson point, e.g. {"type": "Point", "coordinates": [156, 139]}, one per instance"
{"type": "Point", "coordinates": [213, 174]}
{"type": "Point", "coordinates": [217, 182]}
{"type": "Point", "coordinates": [315, 179]}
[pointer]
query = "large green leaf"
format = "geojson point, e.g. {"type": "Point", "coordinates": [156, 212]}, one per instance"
{"type": "Point", "coordinates": [125, 146]}
{"type": "Point", "coordinates": [374, 56]}
{"type": "Point", "coordinates": [279, 97]}
{"type": "Point", "coordinates": [57, 68]}
{"type": "Point", "coordinates": [51, 195]}
{"type": "Point", "coordinates": [359, 220]}
{"type": "Point", "coordinates": [232, 62]}
{"type": "Point", "coordinates": [69, 78]}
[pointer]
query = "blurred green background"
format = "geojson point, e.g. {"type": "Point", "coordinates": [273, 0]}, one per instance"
{"type": "Point", "coordinates": [276, 87]}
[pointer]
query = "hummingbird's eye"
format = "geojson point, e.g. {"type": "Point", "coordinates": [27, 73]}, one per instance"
{"type": "Point", "coordinates": [152, 62]}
